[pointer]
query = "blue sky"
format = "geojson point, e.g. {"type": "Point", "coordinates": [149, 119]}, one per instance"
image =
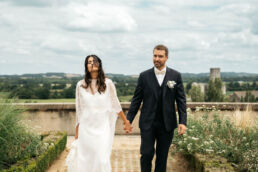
{"type": "Point", "coordinates": [40, 36]}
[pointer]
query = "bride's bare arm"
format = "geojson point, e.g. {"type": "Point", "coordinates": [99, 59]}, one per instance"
{"type": "Point", "coordinates": [76, 131]}
{"type": "Point", "coordinates": [127, 126]}
{"type": "Point", "coordinates": [117, 107]}
{"type": "Point", "coordinates": [78, 110]}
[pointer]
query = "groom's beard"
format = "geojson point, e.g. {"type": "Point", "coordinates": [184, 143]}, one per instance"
{"type": "Point", "coordinates": [159, 65]}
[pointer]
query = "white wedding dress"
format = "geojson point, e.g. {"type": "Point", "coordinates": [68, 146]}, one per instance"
{"type": "Point", "coordinates": [96, 115]}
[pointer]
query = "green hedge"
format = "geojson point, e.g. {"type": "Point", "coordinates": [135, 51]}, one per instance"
{"type": "Point", "coordinates": [201, 163]}
{"type": "Point", "coordinates": [41, 163]}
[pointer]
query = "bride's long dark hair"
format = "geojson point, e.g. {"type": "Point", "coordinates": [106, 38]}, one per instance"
{"type": "Point", "coordinates": [101, 85]}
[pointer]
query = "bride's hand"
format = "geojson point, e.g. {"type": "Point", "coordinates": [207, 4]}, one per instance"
{"type": "Point", "coordinates": [127, 127]}
{"type": "Point", "coordinates": [76, 136]}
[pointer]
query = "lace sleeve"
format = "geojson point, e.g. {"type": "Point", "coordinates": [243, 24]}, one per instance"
{"type": "Point", "coordinates": [77, 103]}
{"type": "Point", "coordinates": [114, 99]}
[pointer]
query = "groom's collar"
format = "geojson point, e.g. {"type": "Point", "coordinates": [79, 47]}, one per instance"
{"type": "Point", "coordinates": [164, 69]}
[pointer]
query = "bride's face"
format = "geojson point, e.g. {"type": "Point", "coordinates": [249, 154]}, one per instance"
{"type": "Point", "coordinates": [93, 65]}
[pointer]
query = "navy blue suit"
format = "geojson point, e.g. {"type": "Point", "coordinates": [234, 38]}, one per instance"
{"type": "Point", "coordinates": [158, 115]}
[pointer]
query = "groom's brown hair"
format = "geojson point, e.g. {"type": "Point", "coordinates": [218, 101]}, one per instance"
{"type": "Point", "coordinates": [161, 47]}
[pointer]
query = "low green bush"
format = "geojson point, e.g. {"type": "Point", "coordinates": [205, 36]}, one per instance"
{"type": "Point", "coordinates": [54, 145]}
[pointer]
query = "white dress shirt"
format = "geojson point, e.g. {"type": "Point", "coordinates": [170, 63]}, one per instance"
{"type": "Point", "coordinates": [160, 77]}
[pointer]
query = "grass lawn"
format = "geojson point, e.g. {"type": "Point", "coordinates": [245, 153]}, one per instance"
{"type": "Point", "coordinates": [125, 98]}
{"type": "Point", "coordinates": [229, 92]}
{"type": "Point", "coordinates": [45, 101]}
{"type": "Point", "coordinates": [4, 94]}
{"type": "Point", "coordinates": [122, 99]}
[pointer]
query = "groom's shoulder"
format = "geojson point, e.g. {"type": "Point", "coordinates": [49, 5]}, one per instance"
{"type": "Point", "coordinates": [173, 71]}
{"type": "Point", "coordinates": [146, 72]}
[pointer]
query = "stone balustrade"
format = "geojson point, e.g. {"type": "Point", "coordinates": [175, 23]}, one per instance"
{"type": "Point", "coordinates": [61, 116]}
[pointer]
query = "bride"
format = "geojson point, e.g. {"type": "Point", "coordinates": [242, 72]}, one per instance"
{"type": "Point", "coordinates": [97, 108]}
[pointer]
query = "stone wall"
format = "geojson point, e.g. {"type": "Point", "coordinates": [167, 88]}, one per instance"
{"type": "Point", "coordinates": [61, 116]}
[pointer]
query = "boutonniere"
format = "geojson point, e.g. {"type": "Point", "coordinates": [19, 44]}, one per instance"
{"type": "Point", "coordinates": [171, 84]}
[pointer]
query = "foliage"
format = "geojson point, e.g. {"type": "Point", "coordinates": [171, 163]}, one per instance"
{"type": "Point", "coordinates": [68, 93]}
{"type": "Point", "coordinates": [239, 145]}
{"type": "Point", "coordinates": [188, 87]}
{"type": "Point", "coordinates": [15, 139]}
{"type": "Point", "coordinates": [53, 148]}
{"type": "Point", "coordinates": [196, 94]}
{"type": "Point", "coordinates": [214, 92]}
{"type": "Point", "coordinates": [249, 97]}
{"type": "Point", "coordinates": [245, 86]}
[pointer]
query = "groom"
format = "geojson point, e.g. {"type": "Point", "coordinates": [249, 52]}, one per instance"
{"type": "Point", "coordinates": [158, 88]}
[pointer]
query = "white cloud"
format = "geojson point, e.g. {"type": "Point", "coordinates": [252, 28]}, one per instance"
{"type": "Point", "coordinates": [98, 17]}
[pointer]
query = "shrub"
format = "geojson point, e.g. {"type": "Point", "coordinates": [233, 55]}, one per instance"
{"type": "Point", "coordinates": [215, 136]}
{"type": "Point", "coordinates": [15, 139]}
{"type": "Point", "coordinates": [54, 143]}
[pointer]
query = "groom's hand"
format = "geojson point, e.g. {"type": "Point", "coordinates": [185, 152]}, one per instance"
{"type": "Point", "coordinates": [127, 127]}
{"type": "Point", "coordinates": [181, 129]}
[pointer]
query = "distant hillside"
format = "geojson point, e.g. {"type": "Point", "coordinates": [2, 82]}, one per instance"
{"type": "Point", "coordinates": [43, 75]}
{"type": "Point", "coordinates": [186, 76]}
{"type": "Point", "coordinates": [234, 74]}
{"type": "Point", "coordinates": [223, 75]}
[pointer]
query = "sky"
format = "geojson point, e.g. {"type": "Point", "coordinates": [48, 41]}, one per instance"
{"type": "Point", "coordinates": [39, 36]}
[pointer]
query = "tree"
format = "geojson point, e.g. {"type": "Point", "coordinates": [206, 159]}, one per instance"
{"type": "Point", "coordinates": [42, 93]}
{"type": "Point", "coordinates": [22, 93]}
{"type": "Point", "coordinates": [237, 86]}
{"type": "Point", "coordinates": [249, 97]}
{"type": "Point", "coordinates": [254, 85]}
{"type": "Point", "coordinates": [59, 86]}
{"type": "Point", "coordinates": [196, 94]}
{"type": "Point", "coordinates": [68, 93]}
{"type": "Point", "coordinates": [188, 86]}
{"type": "Point", "coordinates": [55, 95]}
{"type": "Point", "coordinates": [214, 93]}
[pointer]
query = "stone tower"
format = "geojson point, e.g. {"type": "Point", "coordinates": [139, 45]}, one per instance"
{"type": "Point", "coordinates": [214, 73]}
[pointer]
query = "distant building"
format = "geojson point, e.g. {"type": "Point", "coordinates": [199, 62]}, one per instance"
{"type": "Point", "coordinates": [238, 95]}
{"type": "Point", "coordinates": [203, 86]}
{"type": "Point", "coordinates": [214, 73]}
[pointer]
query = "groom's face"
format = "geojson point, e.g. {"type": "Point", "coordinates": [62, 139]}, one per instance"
{"type": "Point", "coordinates": [159, 58]}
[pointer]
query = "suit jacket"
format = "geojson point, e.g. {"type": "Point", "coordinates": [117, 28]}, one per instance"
{"type": "Point", "coordinates": [146, 91]}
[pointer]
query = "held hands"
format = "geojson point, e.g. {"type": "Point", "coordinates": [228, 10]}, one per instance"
{"type": "Point", "coordinates": [76, 132]}
{"type": "Point", "coordinates": [181, 129]}
{"type": "Point", "coordinates": [127, 127]}
{"type": "Point", "coordinates": [76, 136]}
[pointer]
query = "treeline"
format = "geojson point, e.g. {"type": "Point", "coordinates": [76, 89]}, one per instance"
{"type": "Point", "coordinates": [54, 88]}
{"type": "Point", "coordinates": [246, 86]}
{"type": "Point", "coordinates": [214, 92]}
{"type": "Point", "coordinates": [125, 86]}
{"type": "Point", "coordinates": [38, 88]}
{"type": "Point", "coordinates": [28, 87]}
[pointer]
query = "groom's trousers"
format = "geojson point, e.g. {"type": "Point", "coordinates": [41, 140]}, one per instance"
{"type": "Point", "coordinates": [157, 133]}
